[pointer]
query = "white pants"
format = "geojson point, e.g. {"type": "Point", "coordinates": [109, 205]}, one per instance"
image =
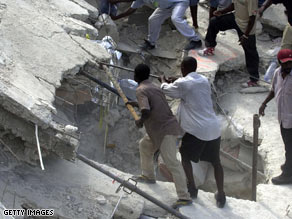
{"type": "Point", "coordinates": [168, 153]}
{"type": "Point", "coordinates": [177, 12]}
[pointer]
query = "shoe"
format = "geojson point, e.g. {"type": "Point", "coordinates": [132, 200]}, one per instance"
{"type": "Point", "coordinates": [249, 84]}
{"type": "Point", "coordinates": [220, 200]}
{"type": "Point", "coordinates": [144, 179]}
{"type": "Point", "coordinates": [181, 202]}
{"type": "Point", "coordinates": [146, 45]}
{"type": "Point", "coordinates": [193, 45]}
{"type": "Point", "coordinates": [208, 51]}
{"type": "Point", "coordinates": [193, 192]}
{"type": "Point", "coordinates": [282, 179]}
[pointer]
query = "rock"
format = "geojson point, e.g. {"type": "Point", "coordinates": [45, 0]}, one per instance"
{"type": "Point", "coordinates": [259, 27]}
{"type": "Point", "coordinates": [70, 129]}
{"type": "Point", "coordinates": [93, 12]}
{"type": "Point", "coordinates": [107, 27]}
{"type": "Point", "coordinates": [253, 90]}
{"type": "Point", "coordinates": [101, 200]}
{"type": "Point", "coordinates": [80, 210]}
{"type": "Point", "coordinates": [275, 17]}
{"type": "Point", "coordinates": [70, 9]}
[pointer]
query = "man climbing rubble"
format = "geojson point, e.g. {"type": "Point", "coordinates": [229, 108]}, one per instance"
{"type": "Point", "coordinates": [243, 21]}
{"type": "Point", "coordinates": [287, 34]}
{"type": "Point", "coordinates": [162, 129]}
{"type": "Point", "coordinates": [197, 118]}
{"type": "Point", "coordinates": [164, 9]}
{"type": "Point", "coordinates": [282, 91]}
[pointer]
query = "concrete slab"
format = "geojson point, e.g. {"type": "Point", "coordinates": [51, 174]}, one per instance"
{"type": "Point", "coordinates": [35, 57]}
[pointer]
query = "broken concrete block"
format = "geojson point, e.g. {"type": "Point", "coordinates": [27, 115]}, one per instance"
{"type": "Point", "coordinates": [70, 9]}
{"type": "Point", "coordinates": [93, 12]}
{"type": "Point", "coordinates": [107, 27]}
{"type": "Point", "coordinates": [275, 17]}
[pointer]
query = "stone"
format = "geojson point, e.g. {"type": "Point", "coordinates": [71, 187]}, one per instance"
{"type": "Point", "coordinates": [275, 17]}
{"type": "Point", "coordinates": [101, 200]}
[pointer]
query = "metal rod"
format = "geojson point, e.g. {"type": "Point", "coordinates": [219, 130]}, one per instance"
{"type": "Point", "coordinates": [101, 83]}
{"type": "Point", "coordinates": [256, 125]}
{"type": "Point", "coordinates": [124, 68]}
{"type": "Point", "coordinates": [130, 186]}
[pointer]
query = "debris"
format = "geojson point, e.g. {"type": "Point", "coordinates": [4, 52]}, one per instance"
{"type": "Point", "coordinates": [101, 200]}
{"type": "Point", "coordinates": [254, 90]}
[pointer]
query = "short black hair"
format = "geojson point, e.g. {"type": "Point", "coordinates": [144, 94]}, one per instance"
{"type": "Point", "coordinates": [189, 63]}
{"type": "Point", "coordinates": [142, 72]}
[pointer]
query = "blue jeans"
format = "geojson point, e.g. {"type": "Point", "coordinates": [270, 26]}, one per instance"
{"type": "Point", "coordinates": [108, 8]}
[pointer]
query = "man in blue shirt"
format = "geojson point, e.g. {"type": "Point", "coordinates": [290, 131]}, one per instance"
{"type": "Point", "coordinates": [165, 8]}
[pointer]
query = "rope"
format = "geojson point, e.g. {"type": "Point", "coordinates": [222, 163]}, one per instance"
{"type": "Point", "coordinates": [39, 148]}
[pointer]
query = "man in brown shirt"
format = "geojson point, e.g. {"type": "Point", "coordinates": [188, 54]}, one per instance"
{"type": "Point", "coordinates": [282, 91]}
{"type": "Point", "coordinates": [162, 129]}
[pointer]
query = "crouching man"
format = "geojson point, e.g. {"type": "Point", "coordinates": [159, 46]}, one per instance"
{"type": "Point", "coordinates": [162, 129]}
{"type": "Point", "coordinates": [201, 140]}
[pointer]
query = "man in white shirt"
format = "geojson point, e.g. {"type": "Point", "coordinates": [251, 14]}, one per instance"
{"type": "Point", "coordinates": [197, 118]}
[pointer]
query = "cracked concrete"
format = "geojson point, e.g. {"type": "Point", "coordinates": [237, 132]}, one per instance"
{"type": "Point", "coordinates": [40, 44]}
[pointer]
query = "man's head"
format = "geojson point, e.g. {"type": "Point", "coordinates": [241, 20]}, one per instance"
{"type": "Point", "coordinates": [189, 64]}
{"type": "Point", "coordinates": [285, 60]}
{"type": "Point", "coordinates": [142, 73]}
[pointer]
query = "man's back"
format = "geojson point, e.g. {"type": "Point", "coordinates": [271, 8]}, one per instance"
{"type": "Point", "coordinates": [196, 113]}
{"type": "Point", "coordinates": [161, 121]}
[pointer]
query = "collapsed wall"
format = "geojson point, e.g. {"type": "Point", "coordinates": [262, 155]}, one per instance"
{"type": "Point", "coordinates": [41, 42]}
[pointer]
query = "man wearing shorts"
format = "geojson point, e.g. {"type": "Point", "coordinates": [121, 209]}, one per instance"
{"type": "Point", "coordinates": [197, 118]}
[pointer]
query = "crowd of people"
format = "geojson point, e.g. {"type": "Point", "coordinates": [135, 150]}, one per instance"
{"type": "Point", "coordinates": [197, 122]}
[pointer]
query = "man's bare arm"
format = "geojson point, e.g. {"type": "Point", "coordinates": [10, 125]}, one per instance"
{"type": "Point", "coordinates": [124, 14]}
{"type": "Point", "coordinates": [265, 5]}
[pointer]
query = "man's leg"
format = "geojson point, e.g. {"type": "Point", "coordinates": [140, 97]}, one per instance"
{"type": "Point", "coordinates": [154, 23]}
{"type": "Point", "coordinates": [287, 139]}
{"type": "Point", "coordinates": [286, 176]}
{"type": "Point", "coordinates": [219, 177]}
{"type": "Point", "coordinates": [168, 153]}
{"type": "Point", "coordinates": [251, 57]}
{"type": "Point", "coordinates": [177, 18]}
{"type": "Point", "coordinates": [194, 12]}
{"type": "Point", "coordinates": [216, 24]}
{"type": "Point", "coordinates": [147, 151]}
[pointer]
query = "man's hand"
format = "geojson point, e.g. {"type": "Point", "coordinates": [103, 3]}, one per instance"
{"type": "Point", "coordinates": [139, 123]}
{"type": "Point", "coordinates": [132, 103]}
{"type": "Point", "coordinates": [113, 17]}
{"type": "Point", "coordinates": [243, 39]}
{"type": "Point", "coordinates": [261, 11]}
{"type": "Point", "coordinates": [162, 79]}
{"type": "Point", "coordinates": [217, 13]}
{"type": "Point", "coordinates": [262, 110]}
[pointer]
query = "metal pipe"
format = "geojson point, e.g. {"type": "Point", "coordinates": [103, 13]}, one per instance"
{"type": "Point", "coordinates": [130, 186]}
{"type": "Point", "coordinates": [108, 87]}
{"type": "Point", "coordinates": [124, 68]}
{"type": "Point", "coordinates": [256, 125]}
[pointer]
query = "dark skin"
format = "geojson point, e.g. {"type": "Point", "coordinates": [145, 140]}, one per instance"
{"type": "Point", "coordinates": [145, 113]}
{"type": "Point", "coordinates": [243, 38]}
{"type": "Point", "coordinates": [286, 69]}
{"type": "Point", "coordinates": [187, 165]}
